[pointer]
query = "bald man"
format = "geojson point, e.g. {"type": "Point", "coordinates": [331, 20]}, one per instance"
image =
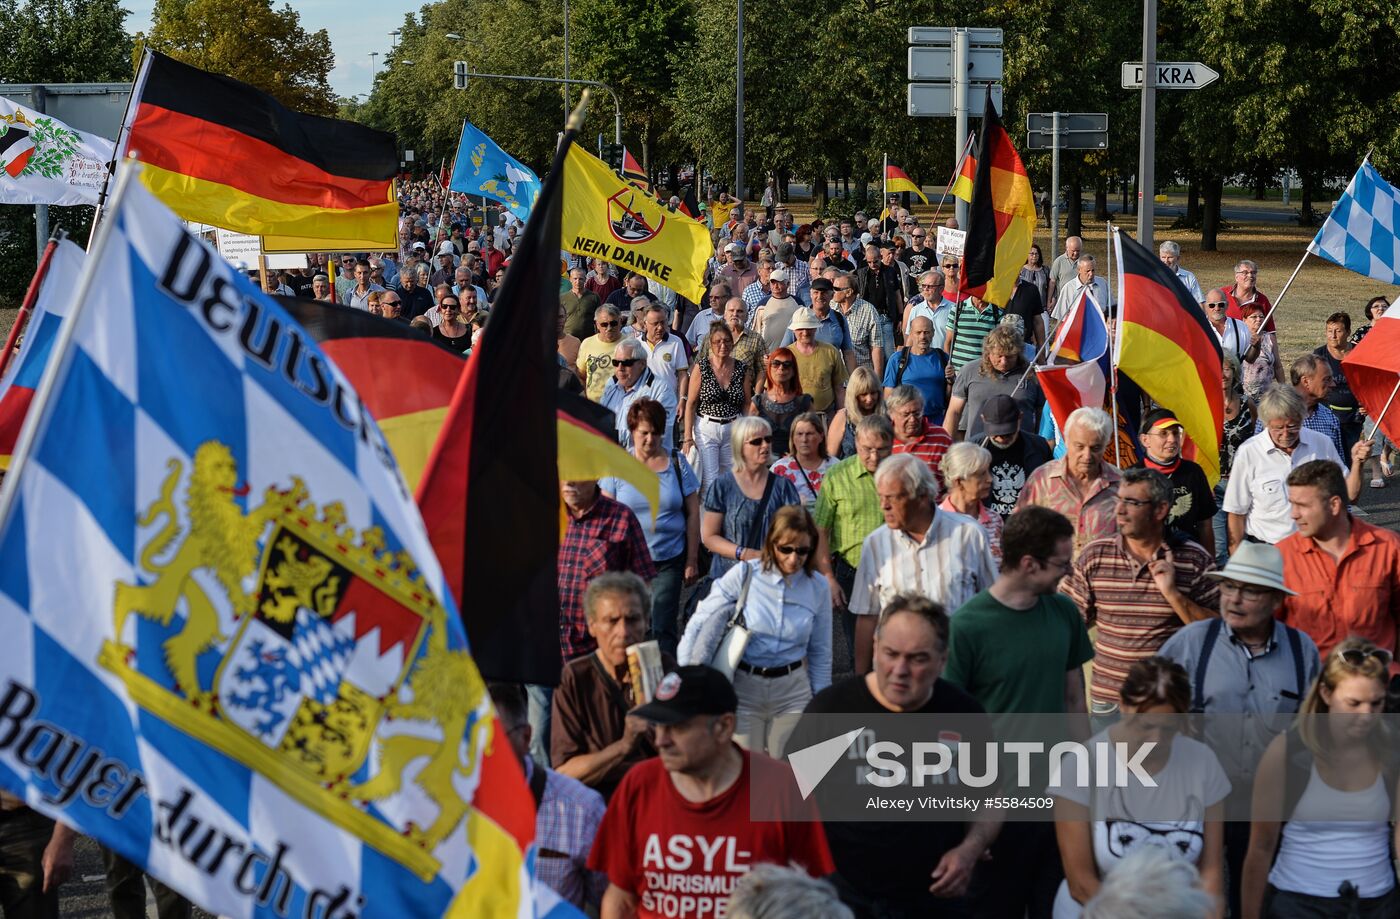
{"type": "Point", "coordinates": [1064, 268]}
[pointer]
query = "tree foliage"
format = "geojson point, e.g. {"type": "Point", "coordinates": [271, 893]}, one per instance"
{"type": "Point", "coordinates": [54, 41]}
{"type": "Point", "coordinates": [251, 41]}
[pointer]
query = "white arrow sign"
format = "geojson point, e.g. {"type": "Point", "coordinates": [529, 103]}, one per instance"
{"type": "Point", "coordinates": [1170, 75]}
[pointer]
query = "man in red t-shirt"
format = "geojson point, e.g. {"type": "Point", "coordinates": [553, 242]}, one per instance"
{"type": "Point", "coordinates": [678, 832]}
{"type": "Point", "coordinates": [1243, 293]}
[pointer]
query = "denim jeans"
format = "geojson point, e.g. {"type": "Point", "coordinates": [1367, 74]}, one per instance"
{"type": "Point", "coordinates": [1221, 525]}
{"type": "Point", "coordinates": [541, 701]}
{"type": "Point", "coordinates": [666, 601]}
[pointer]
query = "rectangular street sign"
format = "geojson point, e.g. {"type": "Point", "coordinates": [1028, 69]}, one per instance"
{"type": "Point", "coordinates": [926, 63]}
{"type": "Point", "coordinates": [1170, 75]}
{"type": "Point", "coordinates": [943, 35]}
{"type": "Point", "coordinates": [1070, 122]}
{"type": "Point", "coordinates": [1080, 140]}
{"type": "Point", "coordinates": [935, 100]}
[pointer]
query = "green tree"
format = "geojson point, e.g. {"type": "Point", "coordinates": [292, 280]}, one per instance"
{"type": "Point", "coordinates": [250, 41]}
{"type": "Point", "coordinates": [54, 41]}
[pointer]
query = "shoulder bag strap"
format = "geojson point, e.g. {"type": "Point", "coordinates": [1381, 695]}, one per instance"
{"type": "Point", "coordinates": [810, 487]}
{"type": "Point", "coordinates": [737, 617]}
{"type": "Point", "coordinates": [1295, 644]}
{"type": "Point", "coordinates": [755, 534]}
{"type": "Point", "coordinates": [1198, 702]}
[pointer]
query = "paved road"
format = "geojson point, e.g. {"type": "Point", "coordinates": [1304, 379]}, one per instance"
{"type": "Point", "coordinates": [1232, 213]}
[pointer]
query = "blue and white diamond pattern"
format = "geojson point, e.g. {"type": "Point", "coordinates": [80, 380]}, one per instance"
{"type": "Point", "coordinates": [1360, 233]}
{"type": "Point", "coordinates": [320, 650]}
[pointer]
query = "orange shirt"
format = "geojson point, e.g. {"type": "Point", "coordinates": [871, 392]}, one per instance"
{"type": "Point", "coordinates": [1358, 594]}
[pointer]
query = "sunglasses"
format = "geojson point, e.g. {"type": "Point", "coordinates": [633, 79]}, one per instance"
{"type": "Point", "coordinates": [1217, 306]}
{"type": "Point", "coordinates": [607, 325]}
{"type": "Point", "coordinates": [779, 365]}
{"type": "Point", "coordinates": [626, 363]}
{"type": "Point", "coordinates": [1356, 657]}
{"type": "Point", "coordinates": [800, 551]}
{"type": "Point", "coordinates": [760, 441]}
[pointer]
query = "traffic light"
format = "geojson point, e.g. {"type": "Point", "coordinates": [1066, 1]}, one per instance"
{"type": "Point", "coordinates": [459, 74]}
{"type": "Point", "coordinates": [612, 155]}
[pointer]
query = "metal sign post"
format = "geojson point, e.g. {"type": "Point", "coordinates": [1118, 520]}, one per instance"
{"type": "Point", "coordinates": [964, 65]}
{"type": "Point", "coordinates": [1056, 131]}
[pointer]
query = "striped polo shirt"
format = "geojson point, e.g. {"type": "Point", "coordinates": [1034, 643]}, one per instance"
{"type": "Point", "coordinates": [1115, 591]}
{"type": "Point", "coordinates": [969, 326]}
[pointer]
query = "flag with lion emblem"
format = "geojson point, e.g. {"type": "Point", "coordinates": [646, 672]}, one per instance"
{"type": "Point", "coordinates": [241, 672]}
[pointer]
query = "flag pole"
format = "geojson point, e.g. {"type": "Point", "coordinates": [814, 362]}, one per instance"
{"type": "Point", "coordinates": [1274, 306]}
{"type": "Point", "coordinates": [957, 169]}
{"type": "Point", "coordinates": [27, 305]}
{"type": "Point", "coordinates": [1116, 245]}
{"type": "Point", "coordinates": [1376, 422]}
{"type": "Point", "coordinates": [61, 356]}
{"type": "Point", "coordinates": [138, 85]}
{"type": "Point", "coordinates": [885, 184]}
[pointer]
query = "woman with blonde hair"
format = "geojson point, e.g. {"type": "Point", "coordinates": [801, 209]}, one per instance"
{"type": "Point", "coordinates": [786, 606]}
{"type": "Point", "coordinates": [1001, 371]}
{"type": "Point", "coordinates": [864, 397]}
{"type": "Point", "coordinates": [740, 504]}
{"type": "Point", "coordinates": [1324, 792]}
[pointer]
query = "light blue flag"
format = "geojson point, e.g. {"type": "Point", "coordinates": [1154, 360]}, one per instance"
{"type": "Point", "coordinates": [483, 168]}
{"type": "Point", "coordinates": [228, 651]}
{"type": "Point", "coordinates": [1360, 233]}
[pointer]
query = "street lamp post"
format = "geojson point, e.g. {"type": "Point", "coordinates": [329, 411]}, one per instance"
{"type": "Point", "coordinates": [739, 108]}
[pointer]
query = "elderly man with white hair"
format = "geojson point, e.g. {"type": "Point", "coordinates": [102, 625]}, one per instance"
{"type": "Point", "coordinates": [1170, 254]}
{"type": "Point", "coordinates": [1081, 484]}
{"type": "Point", "coordinates": [632, 380]}
{"type": "Point", "coordinates": [920, 549]}
{"type": "Point", "coordinates": [1085, 279]}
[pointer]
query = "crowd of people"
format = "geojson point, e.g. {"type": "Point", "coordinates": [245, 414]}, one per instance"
{"type": "Point", "coordinates": [858, 469]}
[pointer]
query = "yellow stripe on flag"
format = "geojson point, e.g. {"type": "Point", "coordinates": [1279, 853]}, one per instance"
{"type": "Point", "coordinates": [1158, 365]}
{"type": "Point", "coordinates": [411, 437]}
{"type": "Point", "coordinates": [498, 885]}
{"type": "Point", "coordinates": [608, 218]}
{"type": "Point", "coordinates": [900, 184]}
{"type": "Point", "coordinates": [220, 205]}
{"type": "Point", "coordinates": [584, 455]}
{"type": "Point", "coordinates": [1011, 195]}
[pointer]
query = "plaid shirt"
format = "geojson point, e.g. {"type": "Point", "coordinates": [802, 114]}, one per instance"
{"type": "Point", "coordinates": [848, 508]}
{"type": "Point", "coordinates": [1092, 514]}
{"type": "Point", "coordinates": [606, 538]}
{"type": "Point", "coordinates": [867, 332]}
{"type": "Point", "coordinates": [753, 297]}
{"type": "Point", "coordinates": [1324, 421]}
{"type": "Point", "coordinates": [929, 447]}
{"type": "Point", "coordinates": [566, 821]}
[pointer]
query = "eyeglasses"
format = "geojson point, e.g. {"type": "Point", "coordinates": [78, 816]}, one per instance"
{"type": "Point", "coordinates": [1356, 657]}
{"type": "Point", "coordinates": [607, 325]}
{"type": "Point", "coordinates": [928, 286]}
{"type": "Point", "coordinates": [628, 362]}
{"type": "Point", "coordinates": [835, 288]}
{"type": "Point", "coordinates": [1251, 274]}
{"type": "Point", "coordinates": [1135, 502]}
{"type": "Point", "coordinates": [1248, 591]}
{"type": "Point", "coordinates": [801, 551]}
{"type": "Point", "coordinates": [760, 441]}
{"type": "Point", "coordinates": [780, 365]}
{"type": "Point", "coordinates": [1217, 306]}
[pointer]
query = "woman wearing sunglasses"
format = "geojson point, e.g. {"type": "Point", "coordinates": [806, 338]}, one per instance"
{"type": "Point", "coordinates": [1324, 799]}
{"type": "Point", "coordinates": [1099, 826]}
{"type": "Point", "coordinates": [787, 610]}
{"type": "Point", "coordinates": [740, 504]}
{"type": "Point", "coordinates": [782, 398]}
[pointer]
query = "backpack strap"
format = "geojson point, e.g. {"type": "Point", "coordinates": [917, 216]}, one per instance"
{"type": "Point", "coordinates": [903, 366]}
{"type": "Point", "coordinates": [1295, 645]}
{"type": "Point", "coordinates": [1198, 702]}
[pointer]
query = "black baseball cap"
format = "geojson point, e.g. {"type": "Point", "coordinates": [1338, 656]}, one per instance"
{"type": "Point", "coordinates": [1000, 416]}
{"type": "Point", "coordinates": [821, 284]}
{"type": "Point", "coordinates": [686, 692]}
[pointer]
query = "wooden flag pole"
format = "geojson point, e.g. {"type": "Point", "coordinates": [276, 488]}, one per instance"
{"type": "Point", "coordinates": [1306, 253]}
{"type": "Point", "coordinates": [957, 169]}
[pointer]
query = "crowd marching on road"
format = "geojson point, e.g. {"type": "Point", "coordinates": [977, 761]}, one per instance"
{"type": "Point", "coordinates": [856, 463]}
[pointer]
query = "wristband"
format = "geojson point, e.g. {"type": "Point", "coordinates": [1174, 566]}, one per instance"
{"type": "Point", "coordinates": [738, 553]}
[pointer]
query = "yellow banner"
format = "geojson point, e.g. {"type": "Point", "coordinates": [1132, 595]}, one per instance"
{"type": "Point", "coordinates": [605, 217]}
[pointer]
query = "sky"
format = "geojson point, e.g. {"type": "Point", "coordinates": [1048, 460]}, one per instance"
{"type": "Point", "coordinates": [356, 27]}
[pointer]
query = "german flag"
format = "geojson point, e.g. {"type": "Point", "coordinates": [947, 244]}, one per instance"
{"type": "Point", "coordinates": [897, 180]}
{"type": "Point", "coordinates": [1169, 349]}
{"type": "Point", "coordinates": [1000, 219]}
{"type": "Point", "coordinates": [632, 171]}
{"type": "Point", "coordinates": [220, 152]}
{"type": "Point", "coordinates": [490, 494]}
{"type": "Point", "coordinates": [967, 172]}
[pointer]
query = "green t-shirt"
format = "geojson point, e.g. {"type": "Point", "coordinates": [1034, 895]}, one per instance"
{"type": "Point", "coordinates": [1014, 661]}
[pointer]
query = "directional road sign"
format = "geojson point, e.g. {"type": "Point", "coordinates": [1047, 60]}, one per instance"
{"type": "Point", "coordinates": [932, 63]}
{"type": "Point", "coordinates": [943, 35]}
{"type": "Point", "coordinates": [1178, 75]}
{"type": "Point", "coordinates": [935, 100]}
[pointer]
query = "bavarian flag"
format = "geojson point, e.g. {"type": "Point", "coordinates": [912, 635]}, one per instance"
{"type": "Point", "coordinates": [967, 172]}
{"type": "Point", "coordinates": [897, 180]}
{"type": "Point", "coordinates": [607, 217]}
{"type": "Point", "coordinates": [220, 152]}
{"type": "Point", "coordinates": [1167, 346]}
{"type": "Point", "coordinates": [1001, 218]}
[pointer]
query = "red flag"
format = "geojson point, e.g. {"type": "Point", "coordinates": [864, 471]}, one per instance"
{"type": "Point", "coordinates": [633, 172]}
{"type": "Point", "coordinates": [1373, 370]}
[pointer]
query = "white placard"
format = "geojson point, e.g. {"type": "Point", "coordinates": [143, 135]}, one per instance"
{"type": "Point", "coordinates": [950, 241]}
{"type": "Point", "coordinates": [238, 249]}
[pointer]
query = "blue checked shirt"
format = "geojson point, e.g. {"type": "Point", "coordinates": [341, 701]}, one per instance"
{"type": "Point", "coordinates": [566, 821]}
{"type": "Point", "coordinates": [1324, 421]}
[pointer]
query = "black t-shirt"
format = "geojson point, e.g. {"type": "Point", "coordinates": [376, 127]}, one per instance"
{"type": "Point", "coordinates": [1026, 303]}
{"type": "Point", "coordinates": [1340, 400]}
{"type": "Point", "coordinates": [1193, 500]}
{"type": "Point", "coordinates": [461, 343]}
{"type": "Point", "coordinates": [919, 262]}
{"type": "Point", "coordinates": [886, 859]}
{"type": "Point", "coordinates": [1011, 467]}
